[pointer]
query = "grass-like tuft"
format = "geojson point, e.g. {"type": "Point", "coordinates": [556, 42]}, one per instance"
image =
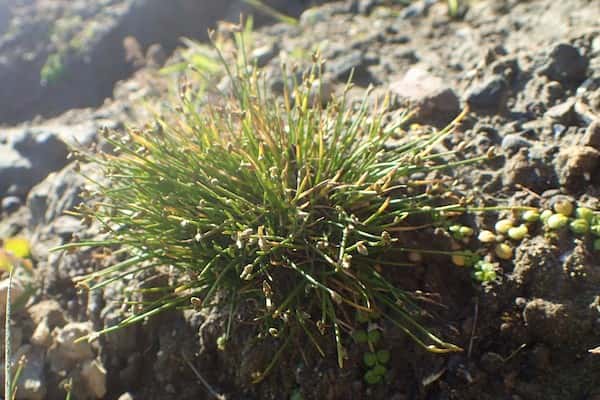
{"type": "Point", "coordinates": [295, 210]}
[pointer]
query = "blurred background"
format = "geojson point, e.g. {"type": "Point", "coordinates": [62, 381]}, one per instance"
{"type": "Point", "coordinates": [61, 54]}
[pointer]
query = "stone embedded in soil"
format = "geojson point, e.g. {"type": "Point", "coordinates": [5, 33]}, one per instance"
{"type": "Point", "coordinates": [512, 143]}
{"type": "Point", "coordinates": [263, 54]}
{"type": "Point", "coordinates": [42, 335]}
{"type": "Point", "coordinates": [506, 67]}
{"type": "Point", "coordinates": [94, 376]}
{"type": "Point", "coordinates": [341, 67]}
{"type": "Point", "coordinates": [576, 166]}
{"type": "Point", "coordinates": [14, 169]}
{"type": "Point", "coordinates": [313, 16]}
{"type": "Point", "coordinates": [552, 323]}
{"type": "Point", "coordinates": [488, 95]}
{"type": "Point", "coordinates": [430, 94]}
{"type": "Point", "coordinates": [591, 137]}
{"type": "Point", "coordinates": [46, 150]}
{"type": "Point", "coordinates": [49, 310]}
{"type": "Point", "coordinates": [27, 158]}
{"type": "Point", "coordinates": [565, 64]}
{"type": "Point", "coordinates": [521, 169]}
{"type": "Point", "coordinates": [365, 6]}
{"type": "Point", "coordinates": [563, 112]}
{"type": "Point", "coordinates": [58, 193]}
{"type": "Point", "coordinates": [65, 350]}
{"type": "Point", "coordinates": [46, 315]}
{"type": "Point", "coordinates": [65, 226]}
{"type": "Point", "coordinates": [10, 204]}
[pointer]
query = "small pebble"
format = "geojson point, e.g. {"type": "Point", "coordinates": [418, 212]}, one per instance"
{"type": "Point", "coordinates": [10, 204]}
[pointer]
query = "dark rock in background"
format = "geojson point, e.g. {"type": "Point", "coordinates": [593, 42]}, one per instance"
{"type": "Point", "coordinates": [488, 95]}
{"type": "Point", "coordinates": [432, 97]}
{"type": "Point", "coordinates": [82, 42]}
{"type": "Point", "coordinates": [565, 64]}
{"type": "Point", "coordinates": [27, 158]}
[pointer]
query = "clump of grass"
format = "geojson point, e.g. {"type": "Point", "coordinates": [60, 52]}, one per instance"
{"type": "Point", "coordinates": [297, 211]}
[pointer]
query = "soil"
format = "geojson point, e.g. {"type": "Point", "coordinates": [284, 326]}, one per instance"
{"type": "Point", "coordinates": [529, 71]}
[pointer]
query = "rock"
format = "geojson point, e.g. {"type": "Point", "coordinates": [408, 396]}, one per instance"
{"type": "Point", "coordinates": [366, 6]}
{"type": "Point", "coordinates": [576, 166]}
{"type": "Point", "coordinates": [94, 376]}
{"type": "Point", "coordinates": [80, 135]}
{"type": "Point", "coordinates": [565, 64]}
{"type": "Point", "coordinates": [506, 67]}
{"type": "Point", "coordinates": [13, 224]}
{"type": "Point", "coordinates": [591, 137]}
{"type": "Point", "coordinates": [61, 267]}
{"type": "Point", "coordinates": [58, 193]}
{"type": "Point", "coordinates": [42, 334]}
{"type": "Point", "coordinates": [32, 381]}
{"type": "Point", "coordinates": [10, 204]}
{"type": "Point", "coordinates": [521, 169]}
{"type": "Point", "coordinates": [121, 341]}
{"type": "Point", "coordinates": [131, 373]}
{"type": "Point", "coordinates": [341, 67]}
{"type": "Point", "coordinates": [430, 94]}
{"type": "Point", "coordinates": [263, 54]}
{"type": "Point", "coordinates": [29, 157]}
{"type": "Point", "coordinates": [417, 9]}
{"type": "Point", "coordinates": [65, 226]}
{"type": "Point", "coordinates": [550, 322]}
{"type": "Point", "coordinates": [15, 170]}
{"type": "Point", "coordinates": [553, 91]}
{"type": "Point", "coordinates": [65, 351]}
{"type": "Point", "coordinates": [488, 95]}
{"type": "Point", "coordinates": [511, 143]}
{"type": "Point", "coordinates": [156, 57]}
{"type": "Point", "coordinates": [312, 16]}
{"type": "Point", "coordinates": [36, 144]}
{"type": "Point", "coordinates": [48, 310]}
{"type": "Point", "coordinates": [563, 112]}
